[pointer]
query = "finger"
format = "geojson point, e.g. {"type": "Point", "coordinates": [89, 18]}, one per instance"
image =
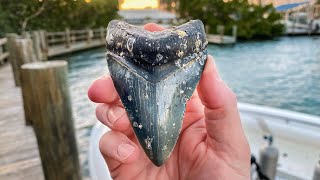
{"type": "Point", "coordinates": [115, 117]}
{"type": "Point", "coordinates": [117, 149]}
{"type": "Point", "coordinates": [103, 91]}
{"type": "Point", "coordinates": [224, 131]}
{"type": "Point", "coordinates": [221, 113]}
{"type": "Point", "coordinates": [194, 111]}
{"type": "Point", "coordinates": [153, 27]}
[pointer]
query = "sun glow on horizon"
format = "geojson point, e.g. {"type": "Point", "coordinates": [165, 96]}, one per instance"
{"type": "Point", "coordinates": [139, 4]}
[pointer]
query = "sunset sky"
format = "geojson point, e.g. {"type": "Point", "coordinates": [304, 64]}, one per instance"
{"type": "Point", "coordinates": [138, 4]}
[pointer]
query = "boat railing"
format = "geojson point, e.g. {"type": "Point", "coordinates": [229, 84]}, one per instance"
{"type": "Point", "coordinates": [279, 114]}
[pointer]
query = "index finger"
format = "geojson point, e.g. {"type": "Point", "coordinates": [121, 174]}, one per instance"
{"type": "Point", "coordinates": [153, 27]}
{"type": "Point", "coordinates": [103, 91]}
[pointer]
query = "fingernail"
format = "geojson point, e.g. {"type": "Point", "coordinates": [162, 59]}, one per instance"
{"type": "Point", "coordinates": [216, 73]}
{"type": "Point", "coordinates": [208, 67]}
{"type": "Point", "coordinates": [211, 66]}
{"type": "Point", "coordinates": [115, 113]}
{"type": "Point", "coordinates": [125, 150]}
{"type": "Point", "coordinates": [105, 76]}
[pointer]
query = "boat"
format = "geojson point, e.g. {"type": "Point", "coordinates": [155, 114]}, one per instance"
{"type": "Point", "coordinates": [301, 18]}
{"type": "Point", "coordinates": [296, 136]}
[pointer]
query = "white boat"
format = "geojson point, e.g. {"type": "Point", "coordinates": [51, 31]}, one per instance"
{"type": "Point", "coordinates": [296, 135]}
{"type": "Point", "coordinates": [302, 18]}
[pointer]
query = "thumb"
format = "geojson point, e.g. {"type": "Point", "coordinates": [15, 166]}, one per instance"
{"type": "Point", "coordinates": [221, 113]}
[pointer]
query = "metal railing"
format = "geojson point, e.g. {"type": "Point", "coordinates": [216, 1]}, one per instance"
{"type": "Point", "coordinates": [279, 114]}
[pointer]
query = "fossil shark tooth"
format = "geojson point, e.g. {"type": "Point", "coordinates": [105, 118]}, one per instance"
{"type": "Point", "coordinates": [155, 73]}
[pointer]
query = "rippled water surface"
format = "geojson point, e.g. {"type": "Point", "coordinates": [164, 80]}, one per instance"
{"type": "Point", "coordinates": [282, 73]}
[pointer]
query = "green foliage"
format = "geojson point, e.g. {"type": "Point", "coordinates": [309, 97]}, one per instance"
{"type": "Point", "coordinates": [253, 21]}
{"type": "Point", "coordinates": [167, 4]}
{"type": "Point", "coordinates": [57, 14]}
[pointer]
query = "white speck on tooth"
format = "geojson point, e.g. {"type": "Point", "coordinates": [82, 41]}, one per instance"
{"type": "Point", "coordinates": [130, 43]}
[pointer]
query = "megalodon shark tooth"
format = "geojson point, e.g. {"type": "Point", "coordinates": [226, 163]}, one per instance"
{"type": "Point", "coordinates": [155, 73]}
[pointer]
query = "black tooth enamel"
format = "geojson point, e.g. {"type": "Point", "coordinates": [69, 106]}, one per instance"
{"type": "Point", "coordinates": [155, 47]}
{"type": "Point", "coordinates": [154, 90]}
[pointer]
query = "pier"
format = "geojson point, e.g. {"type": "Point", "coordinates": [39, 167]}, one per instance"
{"type": "Point", "coordinates": [50, 44]}
{"type": "Point", "coordinates": [69, 41]}
{"type": "Point", "coordinates": [19, 150]}
{"type": "Point", "coordinates": [19, 154]}
{"type": "Point", "coordinates": [221, 38]}
{"type": "Point", "coordinates": [3, 55]}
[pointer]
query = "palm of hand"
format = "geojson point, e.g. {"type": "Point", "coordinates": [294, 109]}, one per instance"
{"type": "Point", "coordinates": [212, 144]}
{"type": "Point", "coordinates": [193, 157]}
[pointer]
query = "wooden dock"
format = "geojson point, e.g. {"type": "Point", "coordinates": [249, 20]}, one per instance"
{"type": "Point", "coordinates": [218, 39]}
{"type": "Point", "coordinates": [19, 156]}
{"type": "Point", "coordinates": [3, 54]}
{"type": "Point", "coordinates": [221, 38]}
{"type": "Point", "coordinates": [67, 41]}
{"type": "Point", "coordinates": [59, 50]}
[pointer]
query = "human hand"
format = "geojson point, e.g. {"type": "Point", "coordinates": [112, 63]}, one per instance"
{"type": "Point", "coordinates": [212, 144]}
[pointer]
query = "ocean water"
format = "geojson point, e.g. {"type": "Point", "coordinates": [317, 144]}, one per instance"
{"type": "Point", "coordinates": [282, 73]}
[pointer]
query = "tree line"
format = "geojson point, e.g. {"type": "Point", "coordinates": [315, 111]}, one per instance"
{"type": "Point", "coordinates": [55, 15]}
{"type": "Point", "coordinates": [253, 21]}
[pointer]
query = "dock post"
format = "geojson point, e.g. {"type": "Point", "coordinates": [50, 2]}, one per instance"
{"type": "Point", "coordinates": [89, 36]}
{"type": "Point", "coordinates": [220, 30]}
{"type": "Point", "coordinates": [44, 44]}
{"type": "Point", "coordinates": [47, 105]}
{"type": "Point", "coordinates": [21, 52]}
{"type": "Point", "coordinates": [67, 38]}
{"type": "Point", "coordinates": [37, 45]}
{"type": "Point", "coordinates": [207, 29]}
{"type": "Point", "coordinates": [102, 34]}
{"type": "Point", "coordinates": [234, 32]}
{"type": "Point", "coordinates": [11, 37]}
{"type": "Point", "coordinates": [26, 35]}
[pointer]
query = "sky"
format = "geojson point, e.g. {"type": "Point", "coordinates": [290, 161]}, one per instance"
{"type": "Point", "coordinates": [138, 4]}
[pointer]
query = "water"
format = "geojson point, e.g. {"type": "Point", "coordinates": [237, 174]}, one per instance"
{"type": "Point", "coordinates": [282, 73]}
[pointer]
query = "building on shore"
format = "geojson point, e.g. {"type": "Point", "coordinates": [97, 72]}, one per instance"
{"type": "Point", "coordinates": [144, 16]}
{"type": "Point", "coordinates": [276, 3]}
{"type": "Point", "coordinates": [140, 12]}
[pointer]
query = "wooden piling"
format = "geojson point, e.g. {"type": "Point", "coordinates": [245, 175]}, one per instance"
{"type": "Point", "coordinates": [37, 45]}
{"type": "Point", "coordinates": [26, 35]}
{"type": "Point", "coordinates": [89, 36]}
{"type": "Point", "coordinates": [47, 105]}
{"type": "Point", "coordinates": [24, 54]}
{"type": "Point", "coordinates": [44, 44]}
{"type": "Point", "coordinates": [234, 32]}
{"type": "Point", "coordinates": [3, 54]}
{"type": "Point", "coordinates": [11, 46]}
{"type": "Point", "coordinates": [67, 38]}
{"type": "Point", "coordinates": [220, 30]}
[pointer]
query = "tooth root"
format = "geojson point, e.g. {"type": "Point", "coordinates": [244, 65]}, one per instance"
{"type": "Point", "coordinates": [155, 96]}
